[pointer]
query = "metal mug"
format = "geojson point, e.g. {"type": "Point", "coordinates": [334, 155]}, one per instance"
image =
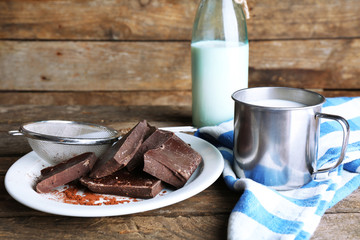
{"type": "Point", "coordinates": [276, 134]}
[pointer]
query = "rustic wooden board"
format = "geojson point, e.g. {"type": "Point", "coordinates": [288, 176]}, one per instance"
{"type": "Point", "coordinates": [113, 98]}
{"type": "Point", "coordinates": [351, 204]}
{"type": "Point", "coordinates": [86, 66]}
{"type": "Point", "coordinates": [116, 116]}
{"type": "Point", "coordinates": [338, 226]}
{"type": "Point", "coordinates": [96, 19]}
{"type": "Point", "coordinates": [121, 98]}
{"type": "Point", "coordinates": [166, 66]}
{"type": "Point", "coordinates": [315, 64]}
{"type": "Point", "coordinates": [308, 19]}
{"type": "Point", "coordinates": [171, 20]}
{"type": "Point", "coordinates": [131, 227]}
{"type": "Point", "coordinates": [334, 93]}
{"type": "Point", "coordinates": [199, 227]}
{"type": "Point", "coordinates": [5, 163]}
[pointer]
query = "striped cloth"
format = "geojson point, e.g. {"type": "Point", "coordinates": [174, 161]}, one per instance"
{"type": "Point", "coordinates": [263, 213]}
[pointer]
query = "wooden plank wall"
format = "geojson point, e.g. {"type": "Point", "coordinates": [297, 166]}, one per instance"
{"type": "Point", "coordinates": [137, 52]}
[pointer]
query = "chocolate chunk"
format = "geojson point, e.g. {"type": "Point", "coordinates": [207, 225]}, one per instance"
{"type": "Point", "coordinates": [136, 184]}
{"type": "Point", "coordinates": [155, 140]}
{"type": "Point", "coordinates": [121, 152]}
{"type": "Point", "coordinates": [65, 172]}
{"type": "Point", "coordinates": [173, 162]}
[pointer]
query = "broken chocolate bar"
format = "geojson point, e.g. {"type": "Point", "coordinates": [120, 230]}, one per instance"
{"type": "Point", "coordinates": [173, 162]}
{"type": "Point", "coordinates": [136, 184]}
{"type": "Point", "coordinates": [65, 172]}
{"type": "Point", "coordinates": [153, 141]}
{"type": "Point", "coordinates": [121, 152]}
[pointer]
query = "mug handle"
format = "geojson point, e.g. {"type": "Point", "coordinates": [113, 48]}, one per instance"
{"type": "Point", "coordinates": [346, 133]}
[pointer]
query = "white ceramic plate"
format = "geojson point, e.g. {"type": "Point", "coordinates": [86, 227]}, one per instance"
{"type": "Point", "coordinates": [21, 177]}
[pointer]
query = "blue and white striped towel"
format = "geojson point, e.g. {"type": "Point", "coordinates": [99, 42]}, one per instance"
{"type": "Point", "coordinates": [262, 213]}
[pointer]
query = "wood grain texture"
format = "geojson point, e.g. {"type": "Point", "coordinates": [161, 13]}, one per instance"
{"type": "Point", "coordinates": [335, 93]}
{"type": "Point", "coordinates": [338, 226]}
{"type": "Point", "coordinates": [166, 66]}
{"type": "Point", "coordinates": [130, 227]}
{"type": "Point", "coordinates": [102, 66]}
{"type": "Point", "coordinates": [351, 204]}
{"type": "Point", "coordinates": [94, 98]}
{"type": "Point", "coordinates": [317, 64]}
{"type": "Point", "coordinates": [171, 20]}
{"type": "Point", "coordinates": [97, 20]}
{"type": "Point", "coordinates": [308, 19]}
{"type": "Point", "coordinates": [116, 116]}
{"type": "Point", "coordinates": [121, 98]}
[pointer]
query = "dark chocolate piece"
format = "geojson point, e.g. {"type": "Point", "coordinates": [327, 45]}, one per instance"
{"type": "Point", "coordinates": [65, 172]}
{"type": "Point", "coordinates": [136, 184]}
{"type": "Point", "coordinates": [155, 140]}
{"type": "Point", "coordinates": [121, 152]}
{"type": "Point", "coordinates": [173, 162]}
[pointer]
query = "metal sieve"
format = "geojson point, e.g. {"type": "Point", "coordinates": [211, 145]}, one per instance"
{"type": "Point", "coordinates": [58, 140]}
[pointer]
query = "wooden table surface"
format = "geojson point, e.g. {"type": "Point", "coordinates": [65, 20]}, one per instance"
{"type": "Point", "coordinates": [203, 216]}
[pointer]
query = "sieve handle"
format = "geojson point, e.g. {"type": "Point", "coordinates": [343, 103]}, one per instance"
{"type": "Point", "coordinates": [15, 133]}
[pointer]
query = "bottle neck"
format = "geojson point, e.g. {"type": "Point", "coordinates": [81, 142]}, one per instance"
{"type": "Point", "coordinates": [222, 20]}
{"type": "Point", "coordinates": [245, 7]}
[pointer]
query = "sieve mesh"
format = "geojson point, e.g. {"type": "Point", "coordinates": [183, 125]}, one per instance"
{"type": "Point", "coordinates": [68, 132]}
{"type": "Point", "coordinates": [57, 140]}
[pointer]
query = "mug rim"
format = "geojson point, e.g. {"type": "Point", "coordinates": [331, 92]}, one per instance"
{"type": "Point", "coordinates": [309, 99]}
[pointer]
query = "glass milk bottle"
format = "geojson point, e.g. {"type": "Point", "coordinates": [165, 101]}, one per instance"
{"type": "Point", "coordinates": [219, 59]}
